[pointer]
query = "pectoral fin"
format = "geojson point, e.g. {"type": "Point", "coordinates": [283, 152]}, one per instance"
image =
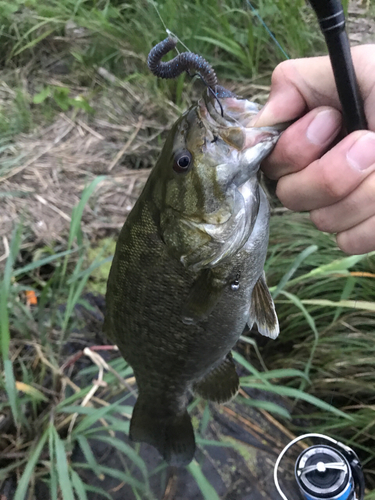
{"type": "Point", "coordinates": [221, 384]}
{"type": "Point", "coordinates": [262, 310]}
{"type": "Point", "coordinates": [203, 296]}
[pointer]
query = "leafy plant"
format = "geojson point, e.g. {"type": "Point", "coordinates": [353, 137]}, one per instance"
{"type": "Point", "coordinates": [60, 95]}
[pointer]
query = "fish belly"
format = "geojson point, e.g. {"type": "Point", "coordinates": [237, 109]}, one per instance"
{"type": "Point", "coordinates": [147, 291]}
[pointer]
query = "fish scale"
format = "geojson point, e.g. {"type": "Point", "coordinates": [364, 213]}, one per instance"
{"type": "Point", "coordinates": [188, 264]}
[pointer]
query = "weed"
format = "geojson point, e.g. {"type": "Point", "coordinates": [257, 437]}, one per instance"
{"type": "Point", "coordinates": [60, 95]}
{"type": "Point", "coordinates": [53, 413]}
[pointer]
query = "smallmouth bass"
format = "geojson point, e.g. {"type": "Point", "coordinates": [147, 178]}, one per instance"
{"type": "Point", "coordinates": [187, 274]}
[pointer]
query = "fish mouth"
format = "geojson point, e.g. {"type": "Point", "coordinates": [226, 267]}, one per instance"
{"type": "Point", "coordinates": [231, 118]}
{"type": "Point", "coordinates": [226, 109]}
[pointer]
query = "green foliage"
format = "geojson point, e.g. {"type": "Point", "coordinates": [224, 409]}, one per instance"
{"type": "Point", "coordinates": [324, 359]}
{"type": "Point", "coordinates": [325, 304]}
{"type": "Point", "coordinates": [99, 276]}
{"type": "Point", "coordinates": [15, 115]}
{"type": "Point", "coordinates": [230, 35]}
{"type": "Point", "coordinates": [208, 491]}
{"type": "Point", "coordinates": [60, 95]}
{"type": "Point", "coordinates": [68, 423]}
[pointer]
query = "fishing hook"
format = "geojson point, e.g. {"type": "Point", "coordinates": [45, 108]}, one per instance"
{"type": "Point", "coordinates": [186, 61]}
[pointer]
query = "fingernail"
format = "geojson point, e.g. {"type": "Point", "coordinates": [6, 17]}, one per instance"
{"type": "Point", "coordinates": [362, 154]}
{"type": "Point", "coordinates": [255, 119]}
{"type": "Point", "coordinates": [323, 127]}
{"type": "Point", "coordinates": [264, 118]}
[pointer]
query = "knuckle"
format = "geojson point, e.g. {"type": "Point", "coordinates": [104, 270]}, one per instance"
{"type": "Point", "coordinates": [282, 72]}
{"type": "Point", "coordinates": [290, 156]}
{"type": "Point", "coordinates": [284, 195]}
{"type": "Point", "coordinates": [332, 183]}
{"type": "Point", "coordinates": [321, 221]}
{"type": "Point", "coordinates": [348, 245]}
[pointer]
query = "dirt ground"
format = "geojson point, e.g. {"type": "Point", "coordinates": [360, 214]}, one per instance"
{"type": "Point", "coordinates": [49, 168]}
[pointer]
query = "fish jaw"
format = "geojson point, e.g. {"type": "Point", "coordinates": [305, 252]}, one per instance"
{"type": "Point", "coordinates": [232, 145]}
{"type": "Point", "coordinates": [245, 162]}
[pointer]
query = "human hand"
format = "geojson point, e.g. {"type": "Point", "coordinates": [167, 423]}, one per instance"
{"type": "Point", "coordinates": [333, 179]}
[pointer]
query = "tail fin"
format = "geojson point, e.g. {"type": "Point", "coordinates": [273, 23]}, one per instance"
{"type": "Point", "coordinates": [173, 437]}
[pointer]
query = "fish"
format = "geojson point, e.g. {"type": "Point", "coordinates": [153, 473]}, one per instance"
{"type": "Point", "coordinates": [187, 274]}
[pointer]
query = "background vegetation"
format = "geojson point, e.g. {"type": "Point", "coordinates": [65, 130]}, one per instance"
{"type": "Point", "coordinates": [85, 60]}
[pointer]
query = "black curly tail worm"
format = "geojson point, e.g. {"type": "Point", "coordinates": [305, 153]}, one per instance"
{"type": "Point", "coordinates": [186, 61]}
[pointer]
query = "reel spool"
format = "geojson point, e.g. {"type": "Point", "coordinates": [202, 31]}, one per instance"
{"type": "Point", "coordinates": [325, 472]}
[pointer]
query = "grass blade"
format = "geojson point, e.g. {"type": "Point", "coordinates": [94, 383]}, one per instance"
{"type": "Point", "coordinates": [62, 468]}
{"type": "Point", "coordinates": [310, 320]}
{"type": "Point", "coordinates": [29, 469]}
{"type": "Point", "coordinates": [277, 374]}
{"type": "Point", "coordinates": [87, 451]}
{"type": "Point", "coordinates": [98, 490]}
{"type": "Point", "coordinates": [117, 474]}
{"type": "Point", "coordinates": [78, 485]}
{"type": "Point", "coordinates": [78, 210]}
{"type": "Point", "coordinates": [298, 394]}
{"type": "Point", "coordinates": [293, 268]}
{"type": "Point", "coordinates": [351, 304]}
{"type": "Point", "coordinates": [42, 262]}
{"type": "Point", "coordinates": [52, 459]}
{"type": "Point", "coordinates": [264, 405]}
{"type": "Point", "coordinates": [260, 376]}
{"type": "Point", "coordinates": [10, 387]}
{"type": "Point", "coordinates": [5, 291]}
{"type": "Point", "coordinates": [126, 450]}
{"type": "Point", "coordinates": [207, 490]}
{"type": "Point", "coordinates": [31, 391]}
{"type": "Point", "coordinates": [90, 420]}
{"type": "Point", "coordinates": [337, 266]}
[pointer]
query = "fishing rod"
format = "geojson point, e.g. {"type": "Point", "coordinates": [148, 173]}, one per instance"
{"type": "Point", "coordinates": [331, 18]}
{"type": "Point", "coordinates": [332, 472]}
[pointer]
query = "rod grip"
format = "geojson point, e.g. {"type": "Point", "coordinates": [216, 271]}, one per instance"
{"type": "Point", "coordinates": [331, 18]}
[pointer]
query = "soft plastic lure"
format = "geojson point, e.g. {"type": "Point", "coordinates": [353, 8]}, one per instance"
{"type": "Point", "coordinates": [186, 61]}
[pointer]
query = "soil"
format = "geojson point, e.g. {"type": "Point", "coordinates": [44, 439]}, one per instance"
{"type": "Point", "coordinates": [53, 164]}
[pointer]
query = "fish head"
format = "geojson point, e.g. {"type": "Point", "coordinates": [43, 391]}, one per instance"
{"type": "Point", "coordinates": [211, 153]}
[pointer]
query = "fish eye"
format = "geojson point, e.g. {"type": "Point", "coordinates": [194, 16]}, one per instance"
{"type": "Point", "coordinates": [182, 161]}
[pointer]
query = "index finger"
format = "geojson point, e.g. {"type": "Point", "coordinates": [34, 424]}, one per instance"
{"type": "Point", "coordinates": [300, 85]}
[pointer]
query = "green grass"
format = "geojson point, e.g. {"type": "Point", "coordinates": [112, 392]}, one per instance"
{"type": "Point", "coordinates": [85, 35]}
{"type": "Point", "coordinates": [323, 360]}
{"type": "Point", "coordinates": [326, 310]}
{"type": "Point", "coordinates": [318, 373]}
{"type": "Point", "coordinates": [228, 33]}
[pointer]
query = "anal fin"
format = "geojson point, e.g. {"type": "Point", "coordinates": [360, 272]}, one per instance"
{"type": "Point", "coordinates": [221, 384]}
{"type": "Point", "coordinates": [262, 310]}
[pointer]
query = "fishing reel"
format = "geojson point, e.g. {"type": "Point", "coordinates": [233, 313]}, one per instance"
{"type": "Point", "coordinates": [325, 472]}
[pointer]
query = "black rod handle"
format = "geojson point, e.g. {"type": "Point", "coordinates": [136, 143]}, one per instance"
{"type": "Point", "coordinates": [332, 24]}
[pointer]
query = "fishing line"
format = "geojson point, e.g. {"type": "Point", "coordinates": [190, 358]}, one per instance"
{"type": "Point", "coordinates": [272, 36]}
{"type": "Point", "coordinates": [171, 35]}
{"type": "Point", "coordinates": [168, 31]}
